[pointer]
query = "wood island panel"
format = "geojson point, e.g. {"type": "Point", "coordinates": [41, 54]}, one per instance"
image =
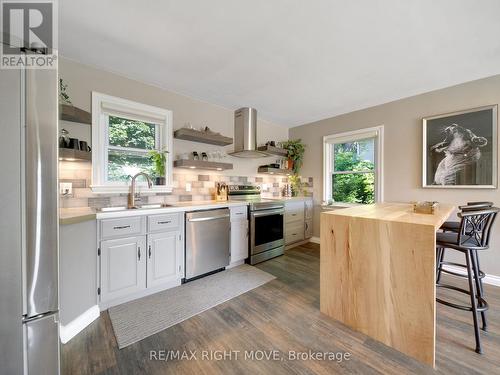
{"type": "Point", "coordinates": [377, 273]}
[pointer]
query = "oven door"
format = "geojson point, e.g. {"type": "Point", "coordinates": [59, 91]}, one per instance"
{"type": "Point", "coordinates": [267, 230]}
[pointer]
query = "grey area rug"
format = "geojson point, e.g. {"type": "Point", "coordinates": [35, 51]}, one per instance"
{"type": "Point", "coordinates": [134, 321]}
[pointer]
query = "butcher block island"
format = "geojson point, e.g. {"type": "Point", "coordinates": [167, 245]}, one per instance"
{"type": "Point", "coordinates": [378, 273]}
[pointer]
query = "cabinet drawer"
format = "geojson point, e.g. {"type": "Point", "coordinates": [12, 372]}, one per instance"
{"type": "Point", "coordinates": [294, 217]}
{"type": "Point", "coordinates": [294, 232]}
{"type": "Point", "coordinates": [294, 212]}
{"type": "Point", "coordinates": [128, 226]}
{"type": "Point", "coordinates": [238, 213]}
{"type": "Point", "coordinates": [164, 222]}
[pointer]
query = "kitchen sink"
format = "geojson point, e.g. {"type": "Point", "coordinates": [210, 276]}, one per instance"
{"type": "Point", "coordinates": [143, 207]}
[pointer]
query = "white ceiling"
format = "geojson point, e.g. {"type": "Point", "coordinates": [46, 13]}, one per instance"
{"type": "Point", "coordinates": [296, 61]}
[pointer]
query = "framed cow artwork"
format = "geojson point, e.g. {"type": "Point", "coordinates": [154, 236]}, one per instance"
{"type": "Point", "coordinates": [460, 149]}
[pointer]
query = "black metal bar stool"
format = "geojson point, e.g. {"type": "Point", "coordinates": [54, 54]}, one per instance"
{"type": "Point", "coordinates": [473, 235]}
{"type": "Point", "coordinates": [454, 226]}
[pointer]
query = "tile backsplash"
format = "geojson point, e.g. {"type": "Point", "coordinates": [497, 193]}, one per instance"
{"type": "Point", "coordinates": [202, 187]}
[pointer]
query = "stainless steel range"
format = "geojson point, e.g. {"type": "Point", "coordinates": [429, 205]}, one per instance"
{"type": "Point", "coordinates": [267, 225]}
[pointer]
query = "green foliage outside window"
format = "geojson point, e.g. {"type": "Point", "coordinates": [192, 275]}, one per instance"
{"type": "Point", "coordinates": [130, 133]}
{"type": "Point", "coordinates": [138, 135]}
{"type": "Point", "coordinates": [353, 187]}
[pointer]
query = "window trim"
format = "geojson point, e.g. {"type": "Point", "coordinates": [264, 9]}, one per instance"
{"type": "Point", "coordinates": [376, 132]}
{"type": "Point", "coordinates": [105, 105]}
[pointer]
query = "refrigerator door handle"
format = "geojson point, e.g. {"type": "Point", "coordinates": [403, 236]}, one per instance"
{"type": "Point", "coordinates": [41, 195]}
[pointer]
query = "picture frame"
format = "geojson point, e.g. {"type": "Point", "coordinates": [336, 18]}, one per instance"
{"type": "Point", "coordinates": [460, 149]}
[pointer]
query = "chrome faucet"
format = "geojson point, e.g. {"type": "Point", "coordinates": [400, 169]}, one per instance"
{"type": "Point", "coordinates": [132, 195]}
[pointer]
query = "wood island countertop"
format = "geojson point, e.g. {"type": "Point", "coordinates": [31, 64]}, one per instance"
{"type": "Point", "coordinates": [377, 273]}
{"type": "Point", "coordinates": [397, 212]}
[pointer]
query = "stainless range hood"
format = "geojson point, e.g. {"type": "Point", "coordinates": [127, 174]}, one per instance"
{"type": "Point", "coordinates": [245, 134]}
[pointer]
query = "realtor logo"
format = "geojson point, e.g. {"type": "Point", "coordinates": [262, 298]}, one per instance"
{"type": "Point", "coordinates": [29, 34]}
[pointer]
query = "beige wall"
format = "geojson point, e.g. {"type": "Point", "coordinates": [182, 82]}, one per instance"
{"type": "Point", "coordinates": [402, 122]}
{"type": "Point", "coordinates": [82, 80]}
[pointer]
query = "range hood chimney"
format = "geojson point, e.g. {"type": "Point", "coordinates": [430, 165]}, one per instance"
{"type": "Point", "coordinates": [245, 134]}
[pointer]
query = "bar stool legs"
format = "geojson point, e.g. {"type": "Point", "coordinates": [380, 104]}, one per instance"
{"type": "Point", "coordinates": [439, 262]}
{"type": "Point", "coordinates": [472, 288]}
{"type": "Point", "coordinates": [479, 287]}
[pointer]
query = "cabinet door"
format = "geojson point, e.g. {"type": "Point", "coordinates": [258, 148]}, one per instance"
{"type": "Point", "coordinates": [309, 208]}
{"type": "Point", "coordinates": [123, 267]}
{"type": "Point", "coordinates": [308, 230]}
{"type": "Point", "coordinates": [239, 240]}
{"type": "Point", "coordinates": [164, 258]}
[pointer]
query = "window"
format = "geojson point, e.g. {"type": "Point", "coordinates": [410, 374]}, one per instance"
{"type": "Point", "coordinates": [352, 166]}
{"type": "Point", "coordinates": [124, 134]}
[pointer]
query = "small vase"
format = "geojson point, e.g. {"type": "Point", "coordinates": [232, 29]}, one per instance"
{"type": "Point", "coordinates": [160, 181]}
{"type": "Point", "coordinates": [290, 164]}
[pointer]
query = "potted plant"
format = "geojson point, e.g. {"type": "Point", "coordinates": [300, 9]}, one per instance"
{"type": "Point", "coordinates": [296, 184]}
{"type": "Point", "coordinates": [159, 158]}
{"type": "Point", "coordinates": [63, 95]}
{"type": "Point", "coordinates": [295, 149]}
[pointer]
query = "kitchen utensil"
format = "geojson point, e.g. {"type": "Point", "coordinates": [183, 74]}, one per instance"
{"type": "Point", "coordinates": [84, 146]}
{"type": "Point", "coordinates": [221, 192]}
{"type": "Point", "coordinates": [64, 139]}
{"type": "Point", "coordinates": [74, 144]}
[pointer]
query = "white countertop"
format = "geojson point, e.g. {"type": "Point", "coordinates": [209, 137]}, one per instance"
{"type": "Point", "coordinates": [177, 207]}
{"type": "Point", "coordinates": [77, 215]}
{"type": "Point", "coordinates": [301, 198]}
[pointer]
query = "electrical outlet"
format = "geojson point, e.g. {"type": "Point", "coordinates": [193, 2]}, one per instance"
{"type": "Point", "coordinates": [188, 186]}
{"type": "Point", "coordinates": [66, 188]}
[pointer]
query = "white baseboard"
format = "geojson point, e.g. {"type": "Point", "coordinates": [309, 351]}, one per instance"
{"type": "Point", "coordinates": [77, 325]}
{"type": "Point", "coordinates": [315, 240]}
{"type": "Point", "coordinates": [488, 279]}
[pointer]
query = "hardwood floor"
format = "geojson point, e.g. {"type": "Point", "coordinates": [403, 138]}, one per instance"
{"type": "Point", "coordinates": [282, 315]}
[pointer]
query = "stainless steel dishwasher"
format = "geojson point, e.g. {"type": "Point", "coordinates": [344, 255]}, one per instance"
{"type": "Point", "coordinates": [207, 242]}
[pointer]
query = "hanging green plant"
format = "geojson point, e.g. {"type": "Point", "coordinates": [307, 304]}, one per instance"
{"type": "Point", "coordinates": [296, 150]}
{"type": "Point", "coordinates": [63, 95]}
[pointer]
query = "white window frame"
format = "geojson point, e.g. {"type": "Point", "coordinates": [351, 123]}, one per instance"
{"type": "Point", "coordinates": [376, 132]}
{"type": "Point", "coordinates": [102, 107]}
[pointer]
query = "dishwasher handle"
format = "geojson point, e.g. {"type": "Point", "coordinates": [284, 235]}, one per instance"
{"type": "Point", "coordinates": [210, 218]}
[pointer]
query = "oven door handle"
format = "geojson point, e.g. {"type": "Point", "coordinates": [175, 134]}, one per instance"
{"type": "Point", "coordinates": [280, 211]}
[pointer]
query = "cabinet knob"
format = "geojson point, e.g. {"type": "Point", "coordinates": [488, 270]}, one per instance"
{"type": "Point", "coordinates": [149, 251]}
{"type": "Point", "coordinates": [139, 253]}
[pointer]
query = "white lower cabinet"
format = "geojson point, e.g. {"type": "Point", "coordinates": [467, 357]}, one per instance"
{"type": "Point", "coordinates": [135, 266]}
{"type": "Point", "coordinates": [239, 240]}
{"type": "Point", "coordinates": [123, 267]}
{"type": "Point", "coordinates": [164, 258]}
{"type": "Point", "coordinates": [239, 235]}
{"type": "Point", "coordinates": [298, 220]}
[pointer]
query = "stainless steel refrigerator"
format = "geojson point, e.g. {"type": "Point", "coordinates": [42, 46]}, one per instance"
{"type": "Point", "coordinates": [29, 304]}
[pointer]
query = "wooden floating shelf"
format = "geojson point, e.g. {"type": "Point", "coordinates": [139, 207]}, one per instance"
{"type": "Point", "coordinates": [271, 150]}
{"type": "Point", "coordinates": [202, 137]}
{"type": "Point", "coordinates": [201, 164]}
{"type": "Point", "coordinates": [278, 171]}
{"type": "Point", "coordinates": [74, 114]}
{"type": "Point", "coordinates": [70, 154]}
